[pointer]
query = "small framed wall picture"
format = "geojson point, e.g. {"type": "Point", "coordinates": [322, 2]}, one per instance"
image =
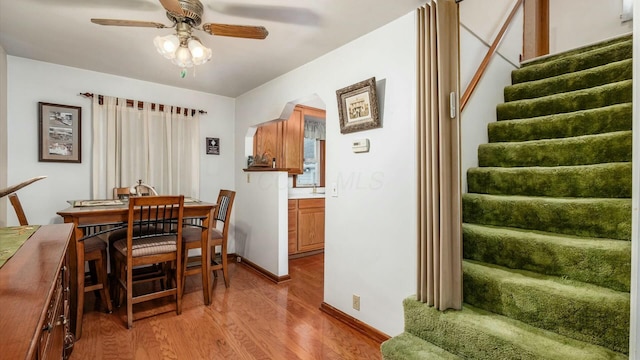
{"type": "Point", "coordinates": [59, 133]}
{"type": "Point", "coordinates": [213, 146]}
{"type": "Point", "coordinates": [358, 107]}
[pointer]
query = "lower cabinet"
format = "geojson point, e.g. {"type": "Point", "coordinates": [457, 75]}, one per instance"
{"type": "Point", "coordinates": [306, 225]}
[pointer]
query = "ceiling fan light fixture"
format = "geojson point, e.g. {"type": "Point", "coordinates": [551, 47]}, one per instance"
{"type": "Point", "coordinates": [167, 45]}
{"type": "Point", "coordinates": [183, 57]}
{"type": "Point", "coordinates": [199, 53]}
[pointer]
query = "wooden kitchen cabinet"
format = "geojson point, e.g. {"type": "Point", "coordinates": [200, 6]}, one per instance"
{"type": "Point", "coordinates": [309, 218]}
{"type": "Point", "coordinates": [283, 140]}
{"type": "Point", "coordinates": [293, 226]}
{"type": "Point", "coordinates": [268, 141]}
{"type": "Point", "coordinates": [293, 141]}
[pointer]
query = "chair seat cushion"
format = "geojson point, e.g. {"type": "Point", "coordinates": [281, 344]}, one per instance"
{"type": "Point", "coordinates": [148, 246]}
{"type": "Point", "coordinates": [94, 244]}
{"type": "Point", "coordinates": [192, 234]}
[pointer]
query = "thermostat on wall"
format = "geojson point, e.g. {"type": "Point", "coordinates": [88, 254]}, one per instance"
{"type": "Point", "coordinates": [360, 146]}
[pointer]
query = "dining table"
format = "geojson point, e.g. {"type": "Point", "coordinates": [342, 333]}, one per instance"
{"type": "Point", "coordinates": [113, 213]}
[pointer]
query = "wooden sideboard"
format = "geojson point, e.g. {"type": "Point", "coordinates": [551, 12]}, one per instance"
{"type": "Point", "coordinates": [34, 297]}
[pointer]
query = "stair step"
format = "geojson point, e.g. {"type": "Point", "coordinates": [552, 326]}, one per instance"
{"type": "Point", "coordinates": [578, 150]}
{"type": "Point", "coordinates": [591, 217]}
{"type": "Point", "coordinates": [409, 347]}
{"type": "Point", "coordinates": [585, 122]}
{"type": "Point", "coordinates": [473, 333]}
{"type": "Point", "coordinates": [576, 60]}
{"type": "Point", "coordinates": [597, 76]}
{"type": "Point", "coordinates": [580, 311]}
{"type": "Point", "coordinates": [598, 96]}
{"type": "Point", "coordinates": [612, 180]}
{"type": "Point", "coordinates": [602, 262]}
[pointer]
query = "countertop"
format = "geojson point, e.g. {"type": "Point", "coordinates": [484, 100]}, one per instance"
{"type": "Point", "coordinates": [306, 196]}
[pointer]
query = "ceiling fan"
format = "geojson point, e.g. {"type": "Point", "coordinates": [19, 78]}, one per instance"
{"type": "Point", "coordinates": [184, 49]}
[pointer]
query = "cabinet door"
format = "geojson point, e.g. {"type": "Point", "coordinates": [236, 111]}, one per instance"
{"type": "Point", "coordinates": [293, 142]}
{"type": "Point", "coordinates": [268, 140]}
{"type": "Point", "coordinates": [310, 228]}
{"type": "Point", "coordinates": [293, 226]}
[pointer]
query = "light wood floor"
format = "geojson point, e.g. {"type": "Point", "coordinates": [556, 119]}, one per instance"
{"type": "Point", "coordinates": [252, 319]}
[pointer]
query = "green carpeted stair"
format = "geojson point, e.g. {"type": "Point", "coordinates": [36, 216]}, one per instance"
{"type": "Point", "coordinates": [546, 221]}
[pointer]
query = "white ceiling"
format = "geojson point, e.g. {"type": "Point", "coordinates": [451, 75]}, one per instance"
{"type": "Point", "coordinates": [60, 31]}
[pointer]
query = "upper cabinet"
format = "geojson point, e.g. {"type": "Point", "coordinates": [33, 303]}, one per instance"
{"type": "Point", "coordinates": [293, 137]}
{"type": "Point", "coordinates": [284, 140]}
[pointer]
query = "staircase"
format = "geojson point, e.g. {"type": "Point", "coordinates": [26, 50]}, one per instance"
{"type": "Point", "coordinates": [546, 222]}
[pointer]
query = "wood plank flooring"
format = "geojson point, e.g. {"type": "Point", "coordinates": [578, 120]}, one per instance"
{"type": "Point", "coordinates": [252, 319]}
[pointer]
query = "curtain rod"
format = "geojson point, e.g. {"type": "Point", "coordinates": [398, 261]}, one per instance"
{"type": "Point", "coordinates": [153, 106]}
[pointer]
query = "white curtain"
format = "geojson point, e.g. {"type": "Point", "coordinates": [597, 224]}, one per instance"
{"type": "Point", "coordinates": [438, 124]}
{"type": "Point", "coordinates": [158, 147]}
{"type": "Point", "coordinates": [315, 129]}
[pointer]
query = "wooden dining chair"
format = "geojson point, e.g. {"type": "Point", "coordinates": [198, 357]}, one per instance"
{"type": "Point", "coordinates": [121, 193]}
{"type": "Point", "coordinates": [95, 252]}
{"type": "Point", "coordinates": [22, 218]}
{"type": "Point", "coordinates": [218, 234]}
{"type": "Point", "coordinates": [154, 225]}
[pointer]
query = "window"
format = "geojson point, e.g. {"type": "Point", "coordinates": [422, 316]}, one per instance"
{"type": "Point", "coordinates": [311, 169]}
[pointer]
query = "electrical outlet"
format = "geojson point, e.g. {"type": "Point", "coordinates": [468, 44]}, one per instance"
{"type": "Point", "coordinates": [356, 302]}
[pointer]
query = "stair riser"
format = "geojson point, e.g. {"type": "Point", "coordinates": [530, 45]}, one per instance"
{"type": "Point", "coordinates": [583, 150]}
{"type": "Point", "coordinates": [599, 218]}
{"type": "Point", "coordinates": [616, 93]}
{"type": "Point", "coordinates": [598, 320]}
{"type": "Point", "coordinates": [472, 334]}
{"type": "Point", "coordinates": [409, 347]}
{"type": "Point", "coordinates": [550, 67]}
{"type": "Point", "coordinates": [610, 180]}
{"type": "Point", "coordinates": [607, 265]}
{"type": "Point", "coordinates": [609, 73]}
{"type": "Point", "coordinates": [588, 122]}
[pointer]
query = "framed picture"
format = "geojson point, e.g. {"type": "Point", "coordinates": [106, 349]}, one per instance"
{"type": "Point", "coordinates": [59, 137]}
{"type": "Point", "coordinates": [358, 107]}
{"type": "Point", "coordinates": [213, 146]}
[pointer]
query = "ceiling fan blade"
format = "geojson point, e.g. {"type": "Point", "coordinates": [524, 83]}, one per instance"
{"type": "Point", "coordinates": [118, 22]}
{"type": "Point", "coordinates": [172, 6]}
{"type": "Point", "coordinates": [241, 31]}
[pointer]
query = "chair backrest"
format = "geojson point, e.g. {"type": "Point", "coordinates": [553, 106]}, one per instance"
{"type": "Point", "coordinates": [22, 218]}
{"type": "Point", "coordinates": [121, 193]}
{"type": "Point", "coordinates": [223, 211]}
{"type": "Point", "coordinates": [155, 216]}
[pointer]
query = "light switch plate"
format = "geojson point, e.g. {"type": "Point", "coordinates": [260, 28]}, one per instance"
{"type": "Point", "coordinates": [334, 189]}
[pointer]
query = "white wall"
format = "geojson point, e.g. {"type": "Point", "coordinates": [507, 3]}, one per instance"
{"type": "Point", "coordinates": [261, 229]}
{"type": "Point", "coordinates": [480, 24]}
{"type": "Point", "coordinates": [3, 134]}
{"type": "Point", "coordinates": [370, 230]}
{"type": "Point", "coordinates": [31, 81]}
{"type": "Point", "coordinates": [573, 23]}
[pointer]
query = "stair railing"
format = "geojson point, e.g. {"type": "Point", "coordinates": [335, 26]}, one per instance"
{"type": "Point", "coordinates": [492, 50]}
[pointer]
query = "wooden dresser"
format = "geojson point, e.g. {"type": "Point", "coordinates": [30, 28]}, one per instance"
{"type": "Point", "coordinates": [34, 297]}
